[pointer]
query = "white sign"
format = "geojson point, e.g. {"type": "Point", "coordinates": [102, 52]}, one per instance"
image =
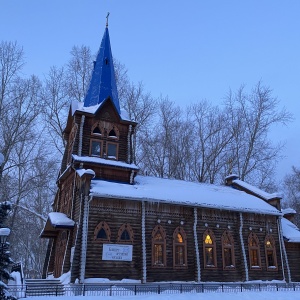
{"type": "Point", "coordinates": [117, 252]}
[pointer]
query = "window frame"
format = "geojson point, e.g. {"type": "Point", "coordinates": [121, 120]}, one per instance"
{"type": "Point", "coordinates": [228, 236]}
{"type": "Point", "coordinates": [102, 225]}
{"type": "Point", "coordinates": [273, 249]}
{"type": "Point", "coordinates": [128, 228]}
{"type": "Point", "coordinates": [159, 228]}
{"type": "Point", "coordinates": [117, 150]}
{"type": "Point", "coordinates": [179, 230]}
{"type": "Point", "coordinates": [206, 246]}
{"type": "Point", "coordinates": [101, 147]}
{"type": "Point", "coordinates": [117, 133]}
{"type": "Point", "coordinates": [96, 133]}
{"type": "Point", "coordinates": [251, 249]}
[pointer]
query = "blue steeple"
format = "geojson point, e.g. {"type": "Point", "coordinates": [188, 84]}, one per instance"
{"type": "Point", "coordinates": [103, 81]}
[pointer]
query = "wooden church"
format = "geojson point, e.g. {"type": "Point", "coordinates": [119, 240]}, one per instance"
{"type": "Point", "coordinates": [109, 222]}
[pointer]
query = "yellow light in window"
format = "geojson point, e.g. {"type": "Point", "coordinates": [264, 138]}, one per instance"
{"type": "Point", "coordinates": [208, 240]}
{"type": "Point", "coordinates": [179, 238]}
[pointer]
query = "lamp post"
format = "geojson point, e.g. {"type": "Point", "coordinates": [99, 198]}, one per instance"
{"type": "Point", "coordinates": [4, 233]}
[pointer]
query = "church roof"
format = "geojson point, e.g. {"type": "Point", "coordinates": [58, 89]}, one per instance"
{"type": "Point", "coordinates": [181, 192]}
{"type": "Point", "coordinates": [103, 81]}
{"type": "Point", "coordinates": [102, 161]}
{"type": "Point", "coordinates": [260, 193]}
{"type": "Point", "coordinates": [290, 231]}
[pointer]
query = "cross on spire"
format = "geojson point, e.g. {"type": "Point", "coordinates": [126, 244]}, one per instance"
{"type": "Point", "coordinates": [107, 19]}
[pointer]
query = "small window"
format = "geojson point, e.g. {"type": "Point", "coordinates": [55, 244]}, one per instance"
{"type": "Point", "coordinates": [113, 133]}
{"type": "Point", "coordinates": [97, 130]}
{"type": "Point", "coordinates": [95, 148]}
{"type": "Point", "coordinates": [270, 253]}
{"type": "Point", "coordinates": [102, 232]}
{"type": "Point", "coordinates": [125, 234]}
{"type": "Point", "coordinates": [209, 248]}
{"type": "Point", "coordinates": [158, 247]}
{"type": "Point", "coordinates": [179, 248]}
{"type": "Point", "coordinates": [254, 253]}
{"type": "Point", "coordinates": [112, 150]}
{"type": "Point", "coordinates": [228, 251]}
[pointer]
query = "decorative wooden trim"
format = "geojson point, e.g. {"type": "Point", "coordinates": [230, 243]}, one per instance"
{"type": "Point", "coordinates": [97, 127]}
{"type": "Point", "coordinates": [158, 244]}
{"type": "Point", "coordinates": [254, 252]}
{"type": "Point", "coordinates": [270, 250]}
{"type": "Point", "coordinates": [228, 245]}
{"type": "Point", "coordinates": [116, 133]}
{"type": "Point", "coordinates": [71, 142]}
{"type": "Point", "coordinates": [209, 242]}
{"type": "Point", "coordinates": [122, 229]}
{"type": "Point", "coordinates": [102, 226]}
{"type": "Point", "coordinates": [179, 240]}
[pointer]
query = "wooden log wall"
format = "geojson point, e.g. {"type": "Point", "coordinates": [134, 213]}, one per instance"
{"type": "Point", "coordinates": [115, 213]}
{"type": "Point", "coordinates": [293, 253]}
{"type": "Point", "coordinates": [118, 212]}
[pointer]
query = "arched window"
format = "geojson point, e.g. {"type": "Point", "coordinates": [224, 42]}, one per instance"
{"type": "Point", "coordinates": [270, 251]}
{"type": "Point", "coordinates": [112, 134]}
{"type": "Point", "coordinates": [125, 234]}
{"type": "Point", "coordinates": [228, 250]}
{"type": "Point", "coordinates": [179, 248]}
{"type": "Point", "coordinates": [254, 253]}
{"type": "Point", "coordinates": [96, 129]}
{"type": "Point", "coordinates": [209, 249]}
{"type": "Point", "coordinates": [102, 232]}
{"type": "Point", "coordinates": [158, 247]}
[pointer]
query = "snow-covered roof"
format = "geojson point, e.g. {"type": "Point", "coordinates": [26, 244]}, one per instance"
{"type": "Point", "coordinates": [290, 231]}
{"type": "Point", "coordinates": [102, 161]}
{"type": "Point", "coordinates": [256, 191]}
{"type": "Point", "coordinates": [287, 211]}
{"type": "Point", "coordinates": [55, 221]}
{"type": "Point", "coordinates": [58, 219]}
{"type": "Point", "coordinates": [81, 172]}
{"type": "Point", "coordinates": [78, 106]}
{"type": "Point", "coordinates": [154, 189]}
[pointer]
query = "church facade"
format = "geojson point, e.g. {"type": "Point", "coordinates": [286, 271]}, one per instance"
{"type": "Point", "coordinates": [109, 222]}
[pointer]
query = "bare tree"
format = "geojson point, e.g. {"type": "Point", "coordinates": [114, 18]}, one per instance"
{"type": "Point", "coordinates": [165, 145]}
{"type": "Point", "coordinates": [211, 139]}
{"type": "Point", "coordinates": [22, 145]}
{"type": "Point", "coordinates": [141, 108]}
{"type": "Point", "coordinates": [56, 106]}
{"type": "Point", "coordinates": [292, 192]}
{"type": "Point", "coordinates": [78, 73]}
{"type": "Point", "coordinates": [251, 117]}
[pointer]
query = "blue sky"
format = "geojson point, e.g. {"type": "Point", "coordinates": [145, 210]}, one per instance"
{"type": "Point", "coordinates": [189, 50]}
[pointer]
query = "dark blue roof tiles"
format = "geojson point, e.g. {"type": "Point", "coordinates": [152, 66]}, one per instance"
{"type": "Point", "coordinates": [103, 81]}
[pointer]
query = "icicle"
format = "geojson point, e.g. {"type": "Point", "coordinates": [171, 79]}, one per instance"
{"type": "Point", "coordinates": [284, 250]}
{"type": "Point", "coordinates": [144, 244]}
{"type": "Point", "coordinates": [80, 135]}
{"type": "Point", "coordinates": [131, 177]}
{"type": "Point", "coordinates": [243, 247]}
{"type": "Point", "coordinates": [196, 244]}
{"type": "Point", "coordinates": [128, 144]}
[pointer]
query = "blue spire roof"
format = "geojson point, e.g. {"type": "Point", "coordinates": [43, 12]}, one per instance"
{"type": "Point", "coordinates": [103, 81]}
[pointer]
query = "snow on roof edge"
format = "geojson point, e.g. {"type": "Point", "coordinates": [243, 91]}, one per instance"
{"type": "Point", "coordinates": [257, 191]}
{"type": "Point", "coordinates": [152, 189]}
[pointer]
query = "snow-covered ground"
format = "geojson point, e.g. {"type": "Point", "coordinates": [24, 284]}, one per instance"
{"type": "Point", "coordinates": [206, 296]}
